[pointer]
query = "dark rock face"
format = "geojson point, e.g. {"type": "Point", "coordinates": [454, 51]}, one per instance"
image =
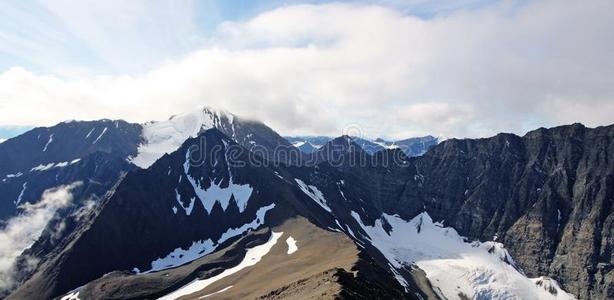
{"type": "Point", "coordinates": [313, 142]}
{"type": "Point", "coordinates": [257, 137]}
{"type": "Point", "coordinates": [340, 151]}
{"type": "Point", "coordinates": [155, 210]}
{"type": "Point", "coordinates": [66, 142]}
{"type": "Point", "coordinates": [548, 196]}
{"type": "Point", "coordinates": [148, 216]}
{"type": "Point", "coordinates": [97, 172]}
{"type": "Point", "coordinates": [252, 135]}
{"type": "Point", "coordinates": [417, 146]}
{"type": "Point", "coordinates": [91, 152]}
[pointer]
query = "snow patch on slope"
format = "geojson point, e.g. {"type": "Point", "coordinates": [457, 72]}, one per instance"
{"type": "Point", "coordinates": [72, 296]}
{"type": "Point", "coordinates": [45, 167]}
{"type": "Point", "coordinates": [23, 190]}
{"type": "Point", "coordinates": [201, 248]}
{"type": "Point", "coordinates": [100, 135]}
{"type": "Point", "coordinates": [216, 193]}
{"type": "Point", "coordinates": [385, 145]}
{"type": "Point", "coordinates": [48, 142]}
{"type": "Point", "coordinates": [313, 193]}
{"type": "Point", "coordinates": [453, 266]}
{"type": "Point", "coordinates": [90, 133]}
{"type": "Point", "coordinates": [291, 245]}
{"type": "Point", "coordinates": [14, 175]}
{"type": "Point", "coordinates": [187, 209]}
{"type": "Point", "coordinates": [215, 293]}
{"type": "Point", "coordinates": [252, 257]}
{"type": "Point", "coordinates": [167, 136]}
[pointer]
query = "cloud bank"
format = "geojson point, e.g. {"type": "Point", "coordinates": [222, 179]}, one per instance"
{"type": "Point", "coordinates": [22, 231]}
{"type": "Point", "coordinates": [317, 69]}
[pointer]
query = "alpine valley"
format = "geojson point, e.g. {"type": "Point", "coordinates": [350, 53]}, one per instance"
{"type": "Point", "coordinates": [209, 205]}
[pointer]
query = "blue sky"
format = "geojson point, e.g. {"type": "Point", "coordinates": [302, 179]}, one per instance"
{"type": "Point", "coordinates": [11, 131]}
{"type": "Point", "coordinates": [394, 68]}
{"type": "Point", "coordinates": [63, 36]}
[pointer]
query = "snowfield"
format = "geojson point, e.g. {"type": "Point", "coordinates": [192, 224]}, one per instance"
{"type": "Point", "coordinates": [201, 248]}
{"type": "Point", "coordinates": [453, 266]}
{"type": "Point", "coordinates": [252, 257]}
{"type": "Point", "coordinates": [167, 136]}
{"type": "Point", "coordinates": [291, 245]}
{"type": "Point", "coordinates": [215, 192]}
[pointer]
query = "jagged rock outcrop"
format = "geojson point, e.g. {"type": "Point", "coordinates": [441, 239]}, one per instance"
{"type": "Point", "coordinates": [195, 198]}
{"type": "Point", "coordinates": [547, 196]}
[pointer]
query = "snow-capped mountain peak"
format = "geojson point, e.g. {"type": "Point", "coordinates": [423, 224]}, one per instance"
{"type": "Point", "coordinates": [158, 138]}
{"type": "Point", "coordinates": [411, 146]}
{"type": "Point", "coordinates": [166, 136]}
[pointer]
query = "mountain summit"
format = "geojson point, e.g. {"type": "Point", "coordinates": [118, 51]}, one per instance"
{"type": "Point", "coordinates": [212, 216]}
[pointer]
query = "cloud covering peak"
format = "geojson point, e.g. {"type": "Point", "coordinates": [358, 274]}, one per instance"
{"type": "Point", "coordinates": [316, 69]}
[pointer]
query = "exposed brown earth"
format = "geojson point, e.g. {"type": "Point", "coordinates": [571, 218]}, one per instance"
{"type": "Point", "coordinates": [309, 269]}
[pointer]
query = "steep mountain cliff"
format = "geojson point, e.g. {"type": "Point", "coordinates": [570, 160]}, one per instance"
{"type": "Point", "coordinates": [547, 196]}
{"type": "Point", "coordinates": [504, 217]}
{"type": "Point", "coordinates": [193, 202]}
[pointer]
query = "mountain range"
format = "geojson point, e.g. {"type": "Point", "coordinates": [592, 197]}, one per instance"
{"type": "Point", "coordinates": [211, 205]}
{"type": "Point", "coordinates": [412, 146]}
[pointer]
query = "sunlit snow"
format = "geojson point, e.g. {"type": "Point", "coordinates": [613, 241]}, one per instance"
{"type": "Point", "coordinates": [100, 135]}
{"type": "Point", "coordinates": [201, 248]}
{"type": "Point", "coordinates": [453, 266]}
{"type": "Point", "coordinates": [216, 193]}
{"type": "Point", "coordinates": [215, 293]}
{"type": "Point", "coordinates": [72, 296]}
{"type": "Point", "coordinates": [48, 142]}
{"type": "Point", "coordinates": [45, 167]}
{"type": "Point", "coordinates": [291, 245]}
{"type": "Point", "coordinates": [90, 133]}
{"type": "Point", "coordinates": [314, 194]}
{"type": "Point", "coordinates": [252, 257]}
{"type": "Point", "coordinates": [23, 190]}
{"type": "Point", "coordinates": [187, 209]}
{"type": "Point", "coordinates": [167, 136]}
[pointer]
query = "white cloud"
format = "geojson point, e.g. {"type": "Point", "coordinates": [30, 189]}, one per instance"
{"type": "Point", "coordinates": [129, 33]}
{"type": "Point", "coordinates": [68, 37]}
{"type": "Point", "coordinates": [510, 66]}
{"type": "Point", "coordinates": [21, 231]}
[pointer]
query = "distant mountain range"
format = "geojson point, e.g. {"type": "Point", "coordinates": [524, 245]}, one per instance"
{"type": "Point", "coordinates": [411, 147]}
{"type": "Point", "coordinates": [210, 205]}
